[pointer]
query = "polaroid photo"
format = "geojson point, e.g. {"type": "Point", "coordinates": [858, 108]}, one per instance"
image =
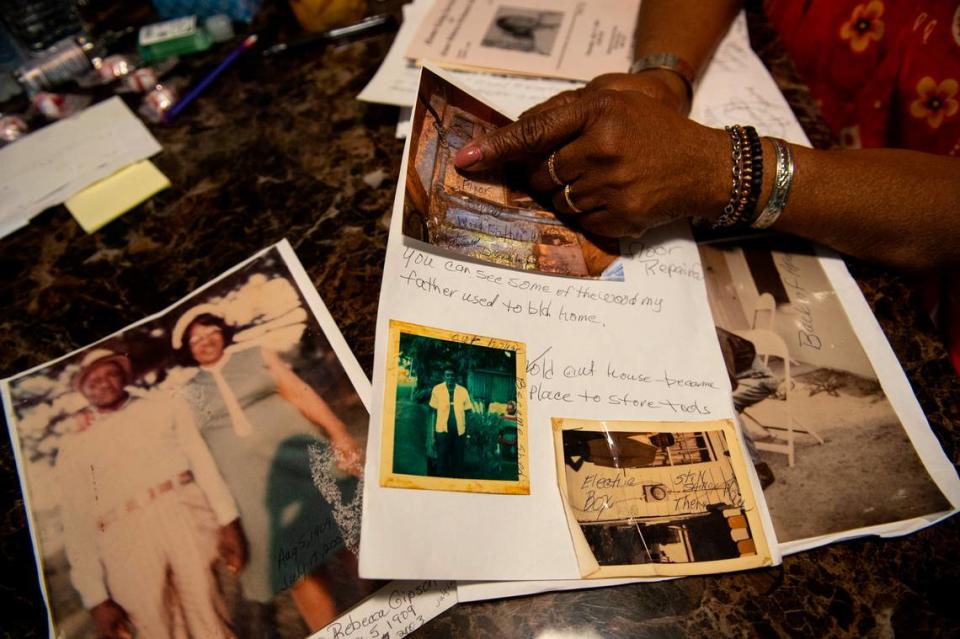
{"type": "Point", "coordinates": [830, 450]}
{"type": "Point", "coordinates": [485, 217]}
{"type": "Point", "coordinates": [226, 431]}
{"type": "Point", "coordinates": [650, 499]}
{"type": "Point", "coordinates": [455, 412]}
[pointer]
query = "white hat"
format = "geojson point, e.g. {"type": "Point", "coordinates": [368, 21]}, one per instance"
{"type": "Point", "coordinates": [181, 326]}
{"type": "Point", "coordinates": [97, 356]}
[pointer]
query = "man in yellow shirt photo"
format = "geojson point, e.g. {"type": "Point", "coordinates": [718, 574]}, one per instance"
{"type": "Point", "coordinates": [450, 401]}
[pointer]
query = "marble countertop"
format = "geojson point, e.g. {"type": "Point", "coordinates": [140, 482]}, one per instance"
{"type": "Point", "coordinates": [280, 149]}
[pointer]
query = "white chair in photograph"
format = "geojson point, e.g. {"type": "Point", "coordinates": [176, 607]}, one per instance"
{"type": "Point", "coordinates": [767, 344]}
{"type": "Point", "coordinates": [764, 311]}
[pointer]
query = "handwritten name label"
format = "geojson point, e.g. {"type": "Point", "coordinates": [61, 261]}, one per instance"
{"type": "Point", "coordinates": [396, 610]}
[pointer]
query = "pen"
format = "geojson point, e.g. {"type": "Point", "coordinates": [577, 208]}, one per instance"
{"type": "Point", "coordinates": [191, 95]}
{"type": "Point", "coordinates": [364, 27]}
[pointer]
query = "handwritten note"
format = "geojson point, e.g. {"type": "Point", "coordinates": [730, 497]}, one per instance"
{"type": "Point", "coordinates": [602, 494]}
{"type": "Point", "coordinates": [396, 610]}
{"type": "Point", "coordinates": [737, 89]}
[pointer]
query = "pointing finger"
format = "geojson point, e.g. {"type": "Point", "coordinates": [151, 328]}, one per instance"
{"type": "Point", "coordinates": [535, 134]}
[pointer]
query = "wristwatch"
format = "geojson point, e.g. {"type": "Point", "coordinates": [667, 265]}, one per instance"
{"type": "Point", "coordinates": [668, 62]}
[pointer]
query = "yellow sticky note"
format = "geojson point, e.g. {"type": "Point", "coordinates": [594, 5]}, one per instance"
{"type": "Point", "coordinates": [111, 197]}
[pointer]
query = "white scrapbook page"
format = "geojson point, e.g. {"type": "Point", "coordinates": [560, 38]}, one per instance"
{"type": "Point", "coordinates": [457, 417]}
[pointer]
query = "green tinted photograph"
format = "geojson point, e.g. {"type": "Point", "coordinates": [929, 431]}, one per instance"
{"type": "Point", "coordinates": [454, 417]}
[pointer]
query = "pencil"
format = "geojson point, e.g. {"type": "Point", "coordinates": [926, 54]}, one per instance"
{"type": "Point", "coordinates": [191, 95]}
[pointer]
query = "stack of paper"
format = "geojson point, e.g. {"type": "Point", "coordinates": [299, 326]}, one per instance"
{"type": "Point", "coordinates": [396, 80]}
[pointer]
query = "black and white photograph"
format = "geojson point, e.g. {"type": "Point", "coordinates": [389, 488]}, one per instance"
{"type": "Point", "coordinates": [455, 413]}
{"type": "Point", "coordinates": [644, 498]}
{"type": "Point", "coordinates": [829, 450]}
{"type": "Point", "coordinates": [524, 30]}
{"type": "Point", "coordinates": [198, 473]}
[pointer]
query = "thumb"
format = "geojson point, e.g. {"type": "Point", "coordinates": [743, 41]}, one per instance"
{"type": "Point", "coordinates": [535, 133]}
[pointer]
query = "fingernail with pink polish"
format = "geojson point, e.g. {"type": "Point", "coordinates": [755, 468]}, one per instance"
{"type": "Point", "coordinates": [468, 156]}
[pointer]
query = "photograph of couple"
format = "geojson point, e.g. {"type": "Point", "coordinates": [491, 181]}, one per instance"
{"type": "Point", "coordinates": [198, 474]}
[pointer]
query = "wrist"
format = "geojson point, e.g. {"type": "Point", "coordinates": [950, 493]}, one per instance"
{"type": "Point", "coordinates": [674, 83]}
{"type": "Point", "coordinates": [669, 64]}
{"type": "Point", "coordinates": [713, 182]}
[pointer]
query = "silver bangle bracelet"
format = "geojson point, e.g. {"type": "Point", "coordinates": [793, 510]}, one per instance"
{"type": "Point", "coordinates": [782, 181]}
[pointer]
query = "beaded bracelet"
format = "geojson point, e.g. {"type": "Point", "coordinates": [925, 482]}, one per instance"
{"type": "Point", "coordinates": [747, 173]}
{"type": "Point", "coordinates": [743, 181]}
{"type": "Point", "coordinates": [750, 213]}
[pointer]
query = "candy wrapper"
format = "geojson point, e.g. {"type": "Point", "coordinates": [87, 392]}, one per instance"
{"type": "Point", "coordinates": [141, 80]}
{"type": "Point", "coordinates": [115, 67]}
{"type": "Point", "coordinates": [56, 106]}
{"type": "Point", "coordinates": [157, 102]}
{"type": "Point", "coordinates": [12, 127]}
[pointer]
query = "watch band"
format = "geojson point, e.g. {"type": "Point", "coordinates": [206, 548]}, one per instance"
{"type": "Point", "coordinates": [668, 62]}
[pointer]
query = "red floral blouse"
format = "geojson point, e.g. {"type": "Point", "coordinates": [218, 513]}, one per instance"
{"type": "Point", "coordinates": [885, 73]}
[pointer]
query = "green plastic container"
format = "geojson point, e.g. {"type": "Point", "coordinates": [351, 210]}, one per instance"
{"type": "Point", "coordinates": [180, 36]}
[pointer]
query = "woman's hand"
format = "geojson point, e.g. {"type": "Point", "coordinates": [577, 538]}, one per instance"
{"type": "Point", "coordinates": [631, 163]}
{"type": "Point", "coordinates": [661, 85]}
{"type": "Point", "coordinates": [348, 453]}
{"type": "Point", "coordinates": [232, 546]}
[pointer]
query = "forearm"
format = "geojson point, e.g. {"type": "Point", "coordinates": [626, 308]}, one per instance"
{"type": "Point", "coordinates": [689, 29]}
{"type": "Point", "coordinates": [79, 518]}
{"type": "Point", "coordinates": [313, 407]}
{"type": "Point", "coordinates": [300, 394]}
{"type": "Point", "coordinates": [892, 206]}
{"type": "Point", "coordinates": [320, 413]}
{"type": "Point", "coordinates": [897, 207]}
